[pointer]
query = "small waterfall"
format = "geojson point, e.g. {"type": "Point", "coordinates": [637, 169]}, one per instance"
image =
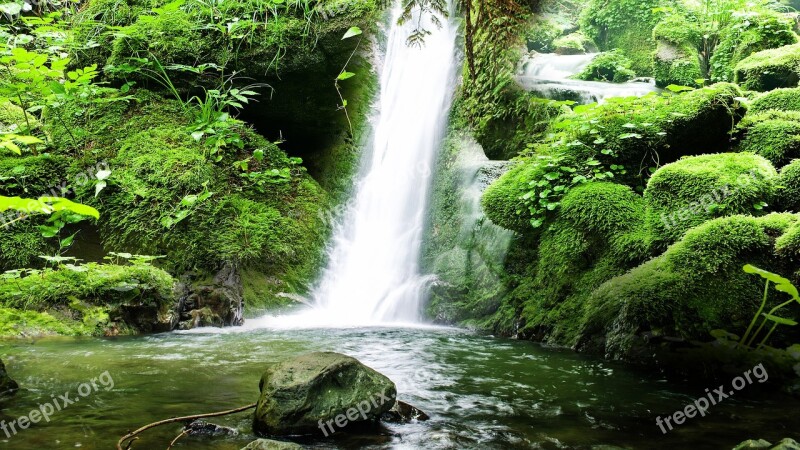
{"type": "Point", "coordinates": [373, 275]}
{"type": "Point", "coordinates": [548, 75]}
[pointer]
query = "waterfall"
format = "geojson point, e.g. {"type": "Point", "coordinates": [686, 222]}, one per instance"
{"type": "Point", "coordinates": [550, 76]}
{"type": "Point", "coordinates": [373, 274]}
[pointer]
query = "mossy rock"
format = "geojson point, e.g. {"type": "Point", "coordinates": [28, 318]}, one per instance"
{"type": "Point", "coordinates": [693, 190]}
{"type": "Point", "coordinates": [789, 193]}
{"type": "Point", "coordinates": [300, 393]}
{"type": "Point", "coordinates": [91, 299]}
{"type": "Point", "coordinates": [770, 69]}
{"type": "Point", "coordinates": [780, 99]}
{"type": "Point", "coordinates": [678, 65]}
{"type": "Point", "coordinates": [774, 135]}
{"type": "Point", "coordinates": [615, 133]}
{"type": "Point", "coordinates": [748, 33]}
{"type": "Point", "coordinates": [269, 444]}
{"type": "Point", "coordinates": [610, 66]}
{"type": "Point", "coordinates": [572, 44]}
{"type": "Point", "coordinates": [678, 30]}
{"type": "Point", "coordinates": [695, 287]}
{"type": "Point", "coordinates": [14, 119]}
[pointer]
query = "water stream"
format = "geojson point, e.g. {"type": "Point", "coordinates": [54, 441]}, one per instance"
{"type": "Point", "coordinates": [549, 76]}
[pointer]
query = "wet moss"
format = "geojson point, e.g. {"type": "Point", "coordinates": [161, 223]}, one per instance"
{"type": "Point", "coordinates": [770, 69]}
{"type": "Point", "coordinates": [779, 99]}
{"type": "Point", "coordinates": [609, 66]}
{"type": "Point", "coordinates": [773, 135]}
{"type": "Point", "coordinates": [789, 193]}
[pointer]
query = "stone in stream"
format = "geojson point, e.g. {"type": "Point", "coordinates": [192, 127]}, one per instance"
{"type": "Point", "coordinates": [7, 386]}
{"type": "Point", "coordinates": [786, 444]}
{"type": "Point", "coordinates": [268, 444]}
{"type": "Point", "coordinates": [210, 303]}
{"type": "Point", "coordinates": [320, 393]}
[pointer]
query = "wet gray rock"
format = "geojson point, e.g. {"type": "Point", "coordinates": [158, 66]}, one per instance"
{"type": "Point", "coordinates": [206, 429]}
{"type": "Point", "coordinates": [786, 444]}
{"type": "Point", "coordinates": [402, 412]}
{"type": "Point", "coordinates": [215, 303]}
{"type": "Point", "coordinates": [7, 386]}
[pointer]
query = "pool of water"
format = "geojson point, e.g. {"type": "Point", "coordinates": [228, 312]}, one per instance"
{"type": "Point", "coordinates": [481, 392]}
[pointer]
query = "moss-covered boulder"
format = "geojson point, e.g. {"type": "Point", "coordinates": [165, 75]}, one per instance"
{"type": "Point", "coordinates": [748, 33]}
{"type": "Point", "coordinates": [7, 386]}
{"type": "Point", "coordinates": [14, 119]}
{"type": "Point", "coordinates": [785, 444]}
{"type": "Point", "coordinates": [319, 393]}
{"type": "Point", "coordinates": [780, 99]}
{"type": "Point", "coordinates": [695, 287]}
{"type": "Point", "coordinates": [789, 194]}
{"type": "Point", "coordinates": [693, 190]}
{"type": "Point", "coordinates": [90, 299]}
{"type": "Point", "coordinates": [610, 66]}
{"type": "Point", "coordinates": [676, 59]}
{"type": "Point", "coordinates": [775, 135]}
{"type": "Point", "coordinates": [618, 138]}
{"type": "Point", "coordinates": [770, 69]}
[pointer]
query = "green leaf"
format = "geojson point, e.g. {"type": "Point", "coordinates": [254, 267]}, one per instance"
{"type": "Point", "coordinates": [353, 31]}
{"type": "Point", "coordinates": [775, 278]}
{"type": "Point", "coordinates": [780, 320]}
{"type": "Point", "coordinates": [345, 75]}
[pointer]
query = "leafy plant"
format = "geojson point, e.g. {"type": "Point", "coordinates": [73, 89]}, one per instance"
{"type": "Point", "coordinates": [188, 204]}
{"type": "Point", "coordinates": [780, 284]}
{"type": "Point", "coordinates": [344, 74]}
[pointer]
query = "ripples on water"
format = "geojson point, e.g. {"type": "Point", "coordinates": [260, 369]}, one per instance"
{"type": "Point", "coordinates": [481, 392]}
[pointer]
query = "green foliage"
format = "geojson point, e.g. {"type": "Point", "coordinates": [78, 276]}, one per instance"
{"type": "Point", "coordinates": [677, 29]}
{"type": "Point", "coordinates": [770, 69]}
{"type": "Point", "coordinates": [620, 140]}
{"type": "Point", "coordinates": [540, 35]}
{"type": "Point", "coordinates": [626, 25]}
{"type": "Point", "coordinates": [694, 287]}
{"type": "Point", "coordinates": [572, 44]}
{"type": "Point", "coordinates": [693, 190]}
{"type": "Point", "coordinates": [779, 99]}
{"type": "Point", "coordinates": [789, 193]}
{"type": "Point", "coordinates": [781, 284]}
{"type": "Point", "coordinates": [608, 66]}
{"type": "Point", "coordinates": [774, 135]}
{"type": "Point", "coordinates": [748, 33]}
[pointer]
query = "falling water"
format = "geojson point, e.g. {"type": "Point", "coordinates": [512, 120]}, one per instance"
{"type": "Point", "coordinates": [373, 274]}
{"type": "Point", "coordinates": [549, 76]}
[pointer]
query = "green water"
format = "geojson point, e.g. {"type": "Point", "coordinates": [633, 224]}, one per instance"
{"type": "Point", "coordinates": [480, 392]}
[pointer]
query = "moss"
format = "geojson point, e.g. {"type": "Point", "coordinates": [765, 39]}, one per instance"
{"type": "Point", "coordinates": [541, 33]}
{"type": "Point", "coordinates": [678, 30]}
{"type": "Point", "coordinates": [788, 245]}
{"type": "Point", "coordinates": [789, 193]}
{"type": "Point", "coordinates": [693, 190]}
{"type": "Point", "coordinates": [779, 99]}
{"type": "Point", "coordinates": [88, 299]}
{"type": "Point", "coordinates": [623, 133]}
{"type": "Point", "coordinates": [749, 33]}
{"type": "Point", "coordinates": [770, 69]}
{"type": "Point", "coordinates": [609, 66]}
{"type": "Point", "coordinates": [13, 118]}
{"type": "Point", "coordinates": [696, 286]}
{"type": "Point", "coordinates": [775, 136]}
{"type": "Point", "coordinates": [572, 44]}
{"type": "Point", "coordinates": [626, 25]}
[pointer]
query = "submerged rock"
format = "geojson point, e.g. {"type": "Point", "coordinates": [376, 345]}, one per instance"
{"type": "Point", "coordinates": [320, 393]}
{"type": "Point", "coordinates": [7, 386]}
{"type": "Point", "coordinates": [269, 444]}
{"type": "Point", "coordinates": [201, 428]}
{"type": "Point", "coordinates": [403, 412]}
{"type": "Point", "coordinates": [217, 303]}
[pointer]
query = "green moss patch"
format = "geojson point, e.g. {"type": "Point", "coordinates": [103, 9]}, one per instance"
{"type": "Point", "coordinates": [770, 69]}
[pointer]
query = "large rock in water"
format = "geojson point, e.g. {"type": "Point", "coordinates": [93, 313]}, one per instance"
{"type": "Point", "coordinates": [7, 385]}
{"type": "Point", "coordinates": [320, 393]}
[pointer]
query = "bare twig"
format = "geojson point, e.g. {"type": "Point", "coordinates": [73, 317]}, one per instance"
{"type": "Point", "coordinates": [133, 435]}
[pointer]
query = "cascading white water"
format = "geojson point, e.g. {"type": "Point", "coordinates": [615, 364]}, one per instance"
{"type": "Point", "coordinates": [549, 75]}
{"type": "Point", "coordinates": [373, 274]}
